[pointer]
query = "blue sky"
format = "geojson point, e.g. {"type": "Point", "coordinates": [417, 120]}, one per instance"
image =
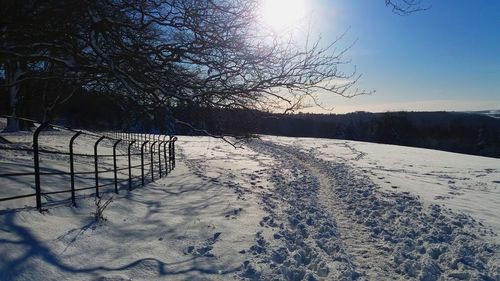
{"type": "Point", "coordinates": [443, 58]}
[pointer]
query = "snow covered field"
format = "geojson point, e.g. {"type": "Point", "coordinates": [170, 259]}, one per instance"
{"type": "Point", "coordinates": [464, 183]}
{"type": "Point", "coordinates": [273, 209]}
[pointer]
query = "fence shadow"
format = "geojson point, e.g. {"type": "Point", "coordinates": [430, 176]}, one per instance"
{"type": "Point", "coordinates": [33, 250]}
{"type": "Point", "coordinates": [36, 249]}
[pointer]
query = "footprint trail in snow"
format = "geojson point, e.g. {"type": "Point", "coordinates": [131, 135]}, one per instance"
{"type": "Point", "coordinates": [328, 222]}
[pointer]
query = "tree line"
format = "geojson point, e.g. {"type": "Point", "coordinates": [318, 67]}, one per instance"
{"type": "Point", "coordinates": [460, 132]}
{"type": "Point", "coordinates": [470, 133]}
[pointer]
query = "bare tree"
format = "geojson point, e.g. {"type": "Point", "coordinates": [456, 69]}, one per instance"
{"type": "Point", "coordinates": [406, 7]}
{"type": "Point", "coordinates": [160, 52]}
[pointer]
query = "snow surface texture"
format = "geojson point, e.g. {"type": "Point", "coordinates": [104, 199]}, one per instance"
{"type": "Point", "coordinates": [336, 223]}
{"type": "Point", "coordinates": [181, 227]}
{"type": "Point", "coordinates": [278, 209]}
{"type": "Point", "coordinates": [464, 183]}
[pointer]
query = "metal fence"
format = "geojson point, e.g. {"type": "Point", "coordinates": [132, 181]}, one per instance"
{"type": "Point", "coordinates": [156, 152]}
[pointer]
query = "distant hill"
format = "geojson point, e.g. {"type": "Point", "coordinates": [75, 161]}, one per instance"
{"type": "Point", "coordinates": [476, 133]}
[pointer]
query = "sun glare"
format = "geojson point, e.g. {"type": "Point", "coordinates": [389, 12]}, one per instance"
{"type": "Point", "coordinates": [280, 14]}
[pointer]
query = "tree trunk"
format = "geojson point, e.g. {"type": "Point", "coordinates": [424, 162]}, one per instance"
{"type": "Point", "coordinates": [13, 72]}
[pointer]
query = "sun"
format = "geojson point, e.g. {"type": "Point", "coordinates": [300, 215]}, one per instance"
{"type": "Point", "coordinates": [281, 14]}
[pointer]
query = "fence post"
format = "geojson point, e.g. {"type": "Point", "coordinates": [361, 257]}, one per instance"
{"type": "Point", "coordinates": [159, 158]}
{"type": "Point", "coordinates": [170, 153]}
{"type": "Point", "coordinates": [72, 167]}
{"type": "Point", "coordinates": [173, 152]}
{"type": "Point", "coordinates": [152, 160]}
{"type": "Point", "coordinates": [96, 166]}
{"type": "Point", "coordinates": [114, 164]}
{"type": "Point", "coordinates": [36, 159]}
{"type": "Point", "coordinates": [129, 166]}
{"type": "Point", "coordinates": [165, 142]}
{"type": "Point", "coordinates": [142, 161]}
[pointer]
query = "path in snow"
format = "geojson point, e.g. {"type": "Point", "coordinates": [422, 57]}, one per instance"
{"type": "Point", "coordinates": [465, 183]}
{"type": "Point", "coordinates": [335, 223]}
{"type": "Point", "coordinates": [362, 248]}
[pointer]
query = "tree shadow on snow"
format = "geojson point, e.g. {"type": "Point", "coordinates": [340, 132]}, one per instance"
{"type": "Point", "coordinates": [28, 252]}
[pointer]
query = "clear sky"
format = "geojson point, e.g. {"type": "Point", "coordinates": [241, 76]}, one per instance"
{"type": "Point", "coordinates": [443, 58]}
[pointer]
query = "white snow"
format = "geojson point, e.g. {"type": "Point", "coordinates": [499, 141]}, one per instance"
{"type": "Point", "coordinates": [272, 209]}
{"type": "Point", "coordinates": [186, 226]}
{"type": "Point", "coordinates": [464, 183]}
